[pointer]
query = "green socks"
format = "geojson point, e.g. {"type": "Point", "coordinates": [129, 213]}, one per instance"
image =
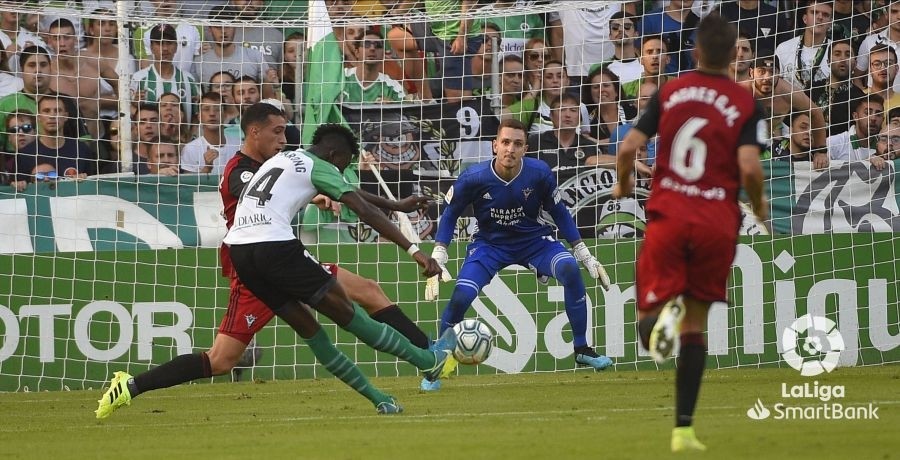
{"type": "Point", "coordinates": [384, 338]}
{"type": "Point", "coordinates": [343, 368]}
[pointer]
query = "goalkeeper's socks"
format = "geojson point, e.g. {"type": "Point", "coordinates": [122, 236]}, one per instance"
{"type": "Point", "coordinates": [394, 317]}
{"type": "Point", "coordinates": [182, 369]}
{"type": "Point", "coordinates": [384, 338]}
{"type": "Point", "coordinates": [343, 368]}
{"type": "Point", "coordinates": [691, 362]}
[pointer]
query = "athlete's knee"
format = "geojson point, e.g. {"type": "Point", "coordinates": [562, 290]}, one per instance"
{"type": "Point", "coordinates": [369, 295]}
{"type": "Point", "coordinates": [567, 271]}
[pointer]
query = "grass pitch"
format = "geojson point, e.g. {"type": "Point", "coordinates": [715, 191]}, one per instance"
{"type": "Point", "coordinates": [609, 415]}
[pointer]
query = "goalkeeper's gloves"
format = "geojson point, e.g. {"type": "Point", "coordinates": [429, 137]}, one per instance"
{"type": "Point", "coordinates": [439, 254]}
{"type": "Point", "coordinates": [583, 255]}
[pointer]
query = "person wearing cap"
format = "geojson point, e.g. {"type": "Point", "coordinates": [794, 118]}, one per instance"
{"type": "Point", "coordinates": [188, 36]}
{"type": "Point", "coordinates": [779, 99]}
{"type": "Point", "coordinates": [162, 75]}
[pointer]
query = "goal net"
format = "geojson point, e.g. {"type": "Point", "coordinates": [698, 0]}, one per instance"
{"type": "Point", "coordinates": [119, 117]}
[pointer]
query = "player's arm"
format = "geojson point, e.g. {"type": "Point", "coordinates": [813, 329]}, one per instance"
{"type": "Point", "coordinates": [408, 204]}
{"type": "Point", "coordinates": [800, 102]}
{"type": "Point", "coordinates": [750, 145]}
{"type": "Point", "coordinates": [566, 224]}
{"type": "Point", "coordinates": [637, 137]}
{"type": "Point", "coordinates": [378, 221]}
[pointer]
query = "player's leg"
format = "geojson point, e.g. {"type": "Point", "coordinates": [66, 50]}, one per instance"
{"type": "Point", "coordinates": [369, 295]}
{"type": "Point", "coordinates": [479, 267]}
{"type": "Point", "coordinates": [708, 267]}
{"type": "Point", "coordinates": [549, 257]}
{"type": "Point", "coordinates": [245, 316]}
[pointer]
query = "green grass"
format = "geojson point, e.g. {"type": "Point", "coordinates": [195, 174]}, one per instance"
{"type": "Point", "coordinates": [609, 415]}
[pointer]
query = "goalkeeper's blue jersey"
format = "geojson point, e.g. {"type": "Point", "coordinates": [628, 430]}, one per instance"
{"type": "Point", "coordinates": [508, 213]}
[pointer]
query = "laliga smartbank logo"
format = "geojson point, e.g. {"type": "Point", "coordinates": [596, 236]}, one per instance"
{"type": "Point", "coordinates": [813, 346]}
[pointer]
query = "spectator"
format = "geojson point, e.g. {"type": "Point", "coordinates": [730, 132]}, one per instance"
{"type": "Point", "coordinates": [102, 54]}
{"type": "Point", "coordinates": [846, 24]}
{"type": "Point", "coordinates": [108, 156]}
{"type": "Point", "coordinates": [35, 63]}
{"type": "Point", "coordinates": [804, 59]}
{"type": "Point", "coordinates": [74, 77]}
{"type": "Point", "coordinates": [511, 81]}
{"type": "Point", "coordinates": [16, 33]}
{"type": "Point", "coordinates": [581, 37]}
{"type": "Point", "coordinates": [654, 59]}
{"type": "Point", "coordinates": [226, 55]}
{"type": "Point", "coordinates": [515, 29]}
{"type": "Point", "coordinates": [836, 97]}
{"type": "Point", "coordinates": [606, 112]}
{"type": "Point", "coordinates": [21, 128]}
{"type": "Point", "coordinates": [292, 50]}
{"type": "Point", "coordinates": [245, 92]}
{"type": "Point", "coordinates": [779, 99]}
{"type": "Point", "coordinates": [366, 82]}
{"type": "Point", "coordinates": [536, 54]}
{"type": "Point", "coordinates": [212, 149]}
{"type": "Point", "coordinates": [482, 61]}
{"type": "Point", "coordinates": [564, 148]}
{"type": "Point", "coordinates": [51, 154]}
{"type": "Point", "coordinates": [677, 24]}
{"type": "Point", "coordinates": [758, 21]}
{"type": "Point", "coordinates": [462, 38]}
{"type": "Point", "coordinates": [795, 147]}
{"type": "Point", "coordinates": [145, 131]}
{"type": "Point", "coordinates": [889, 36]}
{"type": "Point", "coordinates": [267, 40]}
{"type": "Point", "coordinates": [189, 38]}
{"type": "Point", "coordinates": [535, 112]}
{"type": "Point", "coordinates": [883, 71]}
{"type": "Point", "coordinates": [889, 142]}
{"type": "Point", "coordinates": [408, 42]}
{"type": "Point", "coordinates": [622, 32]}
{"type": "Point", "coordinates": [162, 76]}
{"type": "Point", "coordinates": [173, 121]}
{"type": "Point", "coordinates": [859, 142]}
{"type": "Point", "coordinates": [893, 118]}
{"type": "Point", "coordinates": [223, 83]}
{"type": "Point", "coordinates": [739, 68]}
{"type": "Point", "coordinates": [646, 155]}
{"type": "Point", "coordinates": [162, 157]}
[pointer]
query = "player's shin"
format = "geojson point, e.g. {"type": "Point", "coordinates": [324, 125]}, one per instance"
{"type": "Point", "coordinates": [343, 368]}
{"type": "Point", "coordinates": [462, 297]}
{"type": "Point", "coordinates": [688, 375]}
{"type": "Point", "coordinates": [575, 298]}
{"type": "Point", "coordinates": [385, 338]}
{"type": "Point", "coordinates": [181, 369]}
{"type": "Point", "coordinates": [394, 317]}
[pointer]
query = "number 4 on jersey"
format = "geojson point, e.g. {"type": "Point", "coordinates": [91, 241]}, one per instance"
{"type": "Point", "coordinates": [261, 189]}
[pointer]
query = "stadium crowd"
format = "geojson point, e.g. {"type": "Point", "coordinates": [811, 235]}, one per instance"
{"type": "Point", "coordinates": [824, 71]}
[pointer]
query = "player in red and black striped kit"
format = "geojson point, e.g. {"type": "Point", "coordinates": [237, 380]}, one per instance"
{"type": "Point", "coordinates": [247, 314]}
{"type": "Point", "coordinates": [711, 132]}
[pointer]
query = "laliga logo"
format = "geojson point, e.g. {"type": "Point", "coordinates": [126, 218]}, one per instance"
{"type": "Point", "coordinates": [812, 345]}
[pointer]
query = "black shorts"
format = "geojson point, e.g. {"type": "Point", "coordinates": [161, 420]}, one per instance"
{"type": "Point", "coordinates": [281, 272]}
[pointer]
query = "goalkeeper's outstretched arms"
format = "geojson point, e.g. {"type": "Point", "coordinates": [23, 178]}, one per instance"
{"type": "Point", "coordinates": [566, 225]}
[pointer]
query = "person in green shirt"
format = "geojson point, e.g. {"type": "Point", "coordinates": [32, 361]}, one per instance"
{"type": "Point", "coordinates": [35, 63]}
{"type": "Point", "coordinates": [366, 82]}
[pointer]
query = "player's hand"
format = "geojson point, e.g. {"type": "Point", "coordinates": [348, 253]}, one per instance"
{"type": "Point", "coordinates": [431, 266]}
{"type": "Point", "coordinates": [413, 203]}
{"type": "Point", "coordinates": [877, 162]}
{"type": "Point", "coordinates": [432, 288]}
{"type": "Point", "coordinates": [593, 266]}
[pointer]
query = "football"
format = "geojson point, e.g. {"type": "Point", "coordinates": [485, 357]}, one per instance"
{"type": "Point", "coordinates": [474, 342]}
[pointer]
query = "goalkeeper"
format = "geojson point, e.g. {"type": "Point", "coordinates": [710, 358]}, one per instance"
{"type": "Point", "coordinates": [508, 195]}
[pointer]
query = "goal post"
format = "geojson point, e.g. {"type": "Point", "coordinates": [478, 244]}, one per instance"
{"type": "Point", "coordinates": [114, 270]}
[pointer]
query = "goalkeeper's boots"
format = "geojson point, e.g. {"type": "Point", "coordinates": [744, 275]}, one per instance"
{"type": "Point", "coordinates": [443, 351]}
{"type": "Point", "coordinates": [664, 337]}
{"type": "Point", "coordinates": [389, 407]}
{"type": "Point", "coordinates": [684, 440]}
{"type": "Point", "coordinates": [586, 356]}
{"type": "Point", "coordinates": [116, 396]}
